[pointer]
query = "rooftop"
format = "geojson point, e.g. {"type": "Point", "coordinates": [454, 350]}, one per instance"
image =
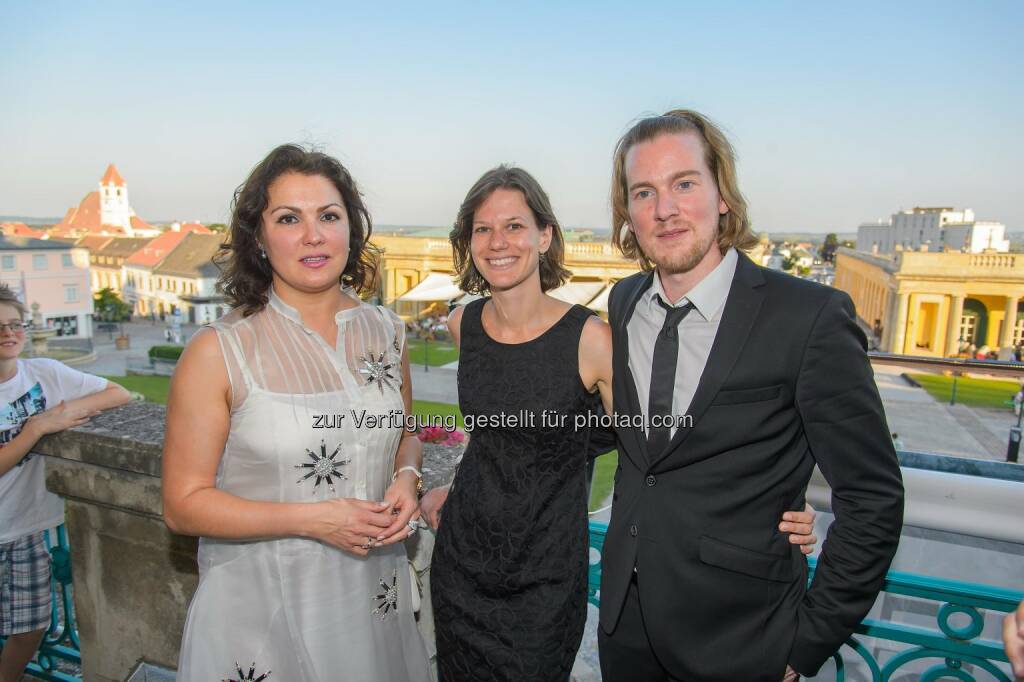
{"type": "Point", "coordinates": [123, 246]}
{"type": "Point", "coordinates": [112, 177]}
{"type": "Point", "coordinates": [151, 254]}
{"type": "Point", "coordinates": [30, 244]}
{"type": "Point", "coordinates": [192, 257]}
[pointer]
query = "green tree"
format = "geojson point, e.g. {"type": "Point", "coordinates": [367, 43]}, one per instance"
{"type": "Point", "coordinates": [109, 306]}
{"type": "Point", "coordinates": [217, 227]}
{"type": "Point", "coordinates": [788, 263]}
{"type": "Point", "coordinates": [828, 249]}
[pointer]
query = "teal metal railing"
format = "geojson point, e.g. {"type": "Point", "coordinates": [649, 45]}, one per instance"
{"type": "Point", "coordinates": [61, 640]}
{"type": "Point", "coordinates": [956, 646]}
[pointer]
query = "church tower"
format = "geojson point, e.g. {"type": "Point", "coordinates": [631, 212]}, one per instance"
{"type": "Point", "coordinates": [114, 208]}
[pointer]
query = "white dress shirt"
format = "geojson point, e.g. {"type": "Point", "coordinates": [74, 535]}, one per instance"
{"type": "Point", "coordinates": [696, 333]}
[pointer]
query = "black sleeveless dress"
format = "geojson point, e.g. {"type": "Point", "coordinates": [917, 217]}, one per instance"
{"type": "Point", "coordinates": [509, 571]}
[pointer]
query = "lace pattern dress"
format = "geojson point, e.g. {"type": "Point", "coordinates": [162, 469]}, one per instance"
{"type": "Point", "coordinates": [509, 572]}
{"type": "Point", "coordinates": [306, 611]}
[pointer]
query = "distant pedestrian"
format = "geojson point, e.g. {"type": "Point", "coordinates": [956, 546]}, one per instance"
{"type": "Point", "coordinates": [897, 442]}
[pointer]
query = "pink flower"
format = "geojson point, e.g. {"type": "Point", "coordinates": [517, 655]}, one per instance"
{"type": "Point", "coordinates": [440, 436]}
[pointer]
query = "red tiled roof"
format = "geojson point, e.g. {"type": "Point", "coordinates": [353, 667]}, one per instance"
{"type": "Point", "coordinates": [140, 224]}
{"type": "Point", "coordinates": [20, 230]}
{"type": "Point", "coordinates": [155, 251]}
{"type": "Point", "coordinates": [85, 218]}
{"type": "Point", "coordinates": [112, 177]}
{"type": "Point", "coordinates": [195, 227]}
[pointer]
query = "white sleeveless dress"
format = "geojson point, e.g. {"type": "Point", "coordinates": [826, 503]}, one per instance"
{"type": "Point", "coordinates": [299, 609]}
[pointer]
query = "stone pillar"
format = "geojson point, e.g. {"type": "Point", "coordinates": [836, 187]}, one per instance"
{"type": "Point", "coordinates": [1009, 322]}
{"type": "Point", "coordinates": [899, 332]}
{"type": "Point", "coordinates": [956, 311]}
{"type": "Point", "coordinates": [888, 322]}
{"type": "Point", "coordinates": [132, 577]}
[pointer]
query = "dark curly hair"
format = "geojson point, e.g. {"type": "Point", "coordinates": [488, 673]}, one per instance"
{"type": "Point", "coordinates": [552, 270]}
{"type": "Point", "coordinates": [245, 275]}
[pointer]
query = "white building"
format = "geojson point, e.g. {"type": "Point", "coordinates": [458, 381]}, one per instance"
{"type": "Point", "coordinates": [186, 279]}
{"type": "Point", "coordinates": [144, 290]}
{"type": "Point", "coordinates": [932, 229]}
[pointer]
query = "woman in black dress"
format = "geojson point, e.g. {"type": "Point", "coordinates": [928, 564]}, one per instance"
{"type": "Point", "coordinates": [509, 570]}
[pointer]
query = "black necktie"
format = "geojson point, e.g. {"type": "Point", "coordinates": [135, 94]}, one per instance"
{"type": "Point", "coordinates": [663, 377]}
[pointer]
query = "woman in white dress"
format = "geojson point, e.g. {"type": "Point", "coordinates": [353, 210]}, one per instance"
{"type": "Point", "coordinates": [285, 448]}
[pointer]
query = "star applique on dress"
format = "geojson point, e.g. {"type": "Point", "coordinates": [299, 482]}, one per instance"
{"type": "Point", "coordinates": [388, 597]}
{"type": "Point", "coordinates": [323, 466]}
{"type": "Point", "coordinates": [247, 677]}
{"type": "Point", "coordinates": [377, 371]}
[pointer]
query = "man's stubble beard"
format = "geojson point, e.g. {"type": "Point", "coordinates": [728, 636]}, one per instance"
{"type": "Point", "coordinates": [678, 263]}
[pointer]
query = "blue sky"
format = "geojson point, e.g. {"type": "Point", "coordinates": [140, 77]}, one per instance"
{"type": "Point", "coordinates": [839, 114]}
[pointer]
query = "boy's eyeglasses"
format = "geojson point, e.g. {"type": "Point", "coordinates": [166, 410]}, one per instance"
{"type": "Point", "coordinates": [13, 326]}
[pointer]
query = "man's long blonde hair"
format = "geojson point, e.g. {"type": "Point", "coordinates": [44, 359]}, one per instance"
{"type": "Point", "coordinates": [733, 227]}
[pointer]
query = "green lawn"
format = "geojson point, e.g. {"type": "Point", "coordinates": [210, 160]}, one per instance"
{"type": "Point", "coordinates": [154, 389]}
{"type": "Point", "coordinates": [438, 353]}
{"type": "Point", "coordinates": [969, 391]}
{"type": "Point", "coordinates": [604, 479]}
{"type": "Point", "coordinates": [424, 408]}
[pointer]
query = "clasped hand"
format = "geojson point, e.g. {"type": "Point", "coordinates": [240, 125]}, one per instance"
{"type": "Point", "coordinates": [357, 526]}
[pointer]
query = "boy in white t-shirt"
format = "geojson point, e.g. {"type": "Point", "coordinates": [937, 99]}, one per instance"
{"type": "Point", "coordinates": [37, 397]}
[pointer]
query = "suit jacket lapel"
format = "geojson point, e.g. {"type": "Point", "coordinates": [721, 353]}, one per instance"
{"type": "Point", "coordinates": [741, 309]}
{"type": "Point", "coordinates": [624, 387]}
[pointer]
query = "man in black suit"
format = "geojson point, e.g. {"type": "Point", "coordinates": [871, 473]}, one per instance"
{"type": "Point", "coordinates": [745, 379]}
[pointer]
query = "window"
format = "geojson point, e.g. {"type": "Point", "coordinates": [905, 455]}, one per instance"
{"type": "Point", "coordinates": [66, 260]}
{"type": "Point", "coordinates": [71, 293]}
{"type": "Point", "coordinates": [39, 261]}
{"type": "Point", "coordinates": [65, 326]}
{"type": "Point", "coordinates": [968, 327]}
{"type": "Point", "coordinates": [8, 262]}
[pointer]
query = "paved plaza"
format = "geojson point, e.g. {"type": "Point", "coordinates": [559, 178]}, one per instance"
{"type": "Point", "coordinates": [927, 425]}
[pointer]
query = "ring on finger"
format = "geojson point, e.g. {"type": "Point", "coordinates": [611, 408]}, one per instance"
{"type": "Point", "coordinates": [414, 525]}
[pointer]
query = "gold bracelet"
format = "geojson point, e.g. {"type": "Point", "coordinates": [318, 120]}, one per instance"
{"type": "Point", "coordinates": [419, 478]}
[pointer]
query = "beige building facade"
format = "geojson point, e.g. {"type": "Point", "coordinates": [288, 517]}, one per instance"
{"type": "Point", "coordinates": [937, 304]}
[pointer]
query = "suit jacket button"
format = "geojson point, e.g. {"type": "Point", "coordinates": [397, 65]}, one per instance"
{"type": "Point", "coordinates": [632, 531]}
{"type": "Point", "coordinates": [650, 480]}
